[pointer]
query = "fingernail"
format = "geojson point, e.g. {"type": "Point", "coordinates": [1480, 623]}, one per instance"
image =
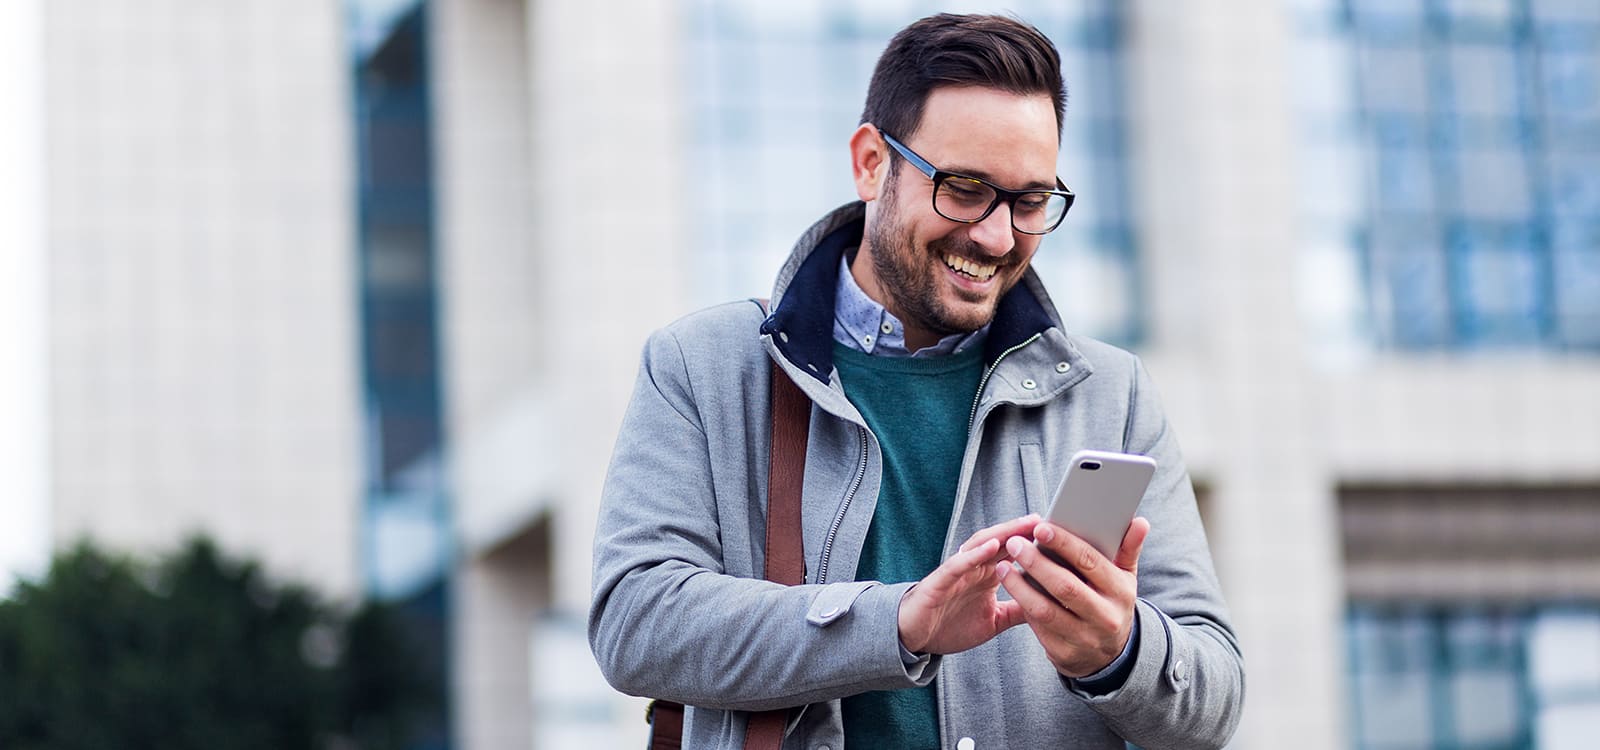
{"type": "Point", "coordinates": [1014, 545]}
{"type": "Point", "coordinates": [1044, 534]}
{"type": "Point", "coordinates": [1002, 570]}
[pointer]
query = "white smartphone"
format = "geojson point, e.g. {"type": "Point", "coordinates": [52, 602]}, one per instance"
{"type": "Point", "coordinates": [1099, 495]}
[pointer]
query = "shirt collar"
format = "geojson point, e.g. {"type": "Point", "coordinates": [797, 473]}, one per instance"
{"type": "Point", "coordinates": [860, 323]}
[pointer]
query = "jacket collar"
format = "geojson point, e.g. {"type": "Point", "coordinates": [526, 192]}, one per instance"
{"type": "Point", "coordinates": [801, 323]}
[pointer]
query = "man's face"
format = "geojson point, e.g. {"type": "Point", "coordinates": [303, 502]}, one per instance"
{"type": "Point", "coordinates": [939, 276]}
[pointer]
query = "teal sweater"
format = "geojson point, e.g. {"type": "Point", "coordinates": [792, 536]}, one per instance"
{"type": "Point", "coordinates": [918, 409]}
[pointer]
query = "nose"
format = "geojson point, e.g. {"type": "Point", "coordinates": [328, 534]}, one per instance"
{"type": "Point", "coordinates": [994, 233]}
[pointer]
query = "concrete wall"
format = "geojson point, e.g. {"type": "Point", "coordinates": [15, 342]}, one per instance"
{"type": "Point", "coordinates": [557, 122]}
{"type": "Point", "coordinates": [200, 228]}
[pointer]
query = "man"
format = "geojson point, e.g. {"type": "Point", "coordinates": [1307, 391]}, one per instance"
{"type": "Point", "coordinates": [946, 399]}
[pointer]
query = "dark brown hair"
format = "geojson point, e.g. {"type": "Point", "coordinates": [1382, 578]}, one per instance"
{"type": "Point", "coordinates": [995, 52]}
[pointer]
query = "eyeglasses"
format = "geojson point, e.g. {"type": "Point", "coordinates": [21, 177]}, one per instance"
{"type": "Point", "coordinates": [969, 200]}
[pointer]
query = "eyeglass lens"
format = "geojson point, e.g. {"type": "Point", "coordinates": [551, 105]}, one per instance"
{"type": "Point", "coordinates": [965, 199]}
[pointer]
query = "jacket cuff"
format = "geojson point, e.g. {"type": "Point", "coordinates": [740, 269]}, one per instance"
{"type": "Point", "coordinates": [1159, 668]}
{"type": "Point", "coordinates": [1115, 674]}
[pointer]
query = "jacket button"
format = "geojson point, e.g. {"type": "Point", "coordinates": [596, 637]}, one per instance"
{"type": "Point", "coordinates": [965, 743]}
{"type": "Point", "coordinates": [1180, 672]}
{"type": "Point", "coordinates": [1029, 384]}
{"type": "Point", "coordinates": [1062, 367]}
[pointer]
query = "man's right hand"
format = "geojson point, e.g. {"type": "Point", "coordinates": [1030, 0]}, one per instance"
{"type": "Point", "coordinates": [955, 608]}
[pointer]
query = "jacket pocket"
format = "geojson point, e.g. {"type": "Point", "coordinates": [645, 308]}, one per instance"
{"type": "Point", "coordinates": [1034, 484]}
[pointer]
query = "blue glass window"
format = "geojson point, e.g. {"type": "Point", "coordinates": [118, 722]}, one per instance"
{"type": "Point", "coordinates": [405, 543]}
{"type": "Point", "coordinates": [1458, 677]}
{"type": "Point", "coordinates": [1477, 123]}
{"type": "Point", "coordinates": [776, 89]}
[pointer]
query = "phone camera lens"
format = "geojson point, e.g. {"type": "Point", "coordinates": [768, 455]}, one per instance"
{"type": "Point", "coordinates": [1089, 465]}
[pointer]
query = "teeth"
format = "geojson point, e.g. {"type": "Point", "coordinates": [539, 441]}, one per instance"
{"type": "Point", "coordinates": [975, 270]}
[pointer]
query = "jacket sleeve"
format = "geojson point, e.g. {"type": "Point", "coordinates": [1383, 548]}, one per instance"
{"type": "Point", "coordinates": [667, 621]}
{"type": "Point", "coordinates": [1186, 689]}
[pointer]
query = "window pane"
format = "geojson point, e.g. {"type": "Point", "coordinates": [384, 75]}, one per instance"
{"type": "Point", "coordinates": [1577, 282]}
{"type": "Point", "coordinates": [1482, 11]}
{"type": "Point", "coordinates": [1405, 181]}
{"type": "Point", "coordinates": [1566, 10]}
{"type": "Point", "coordinates": [1575, 186]}
{"type": "Point", "coordinates": [1391, 667]}
{"type": "Point", "coordinates": [1569, 727]}
{"type": "Point", "coordinates": [1484, 79]}
{"type": "Point", "coordinates": [1564, 654]}
{"type": "Point", "coordinates": [1411, 284]}
{"type": "Point", "coordinates": [1485, 693]}
{"type": "Point", "coordinates": [1494, 185]}
{"type": "Point", "coordinates": [1394, 79]}
{"type": "Point", "coordinates": [1094, 288]}
{"type": "Point", "coordinates": [1501, 277]}
{"type": "Point", "coordinates": [1570, 84]}
{"type": "Point", "coordinates": [1388, 19]}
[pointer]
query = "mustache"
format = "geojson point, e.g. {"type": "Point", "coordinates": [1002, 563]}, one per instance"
{"type": "Point", "coordinates": [965, 248]}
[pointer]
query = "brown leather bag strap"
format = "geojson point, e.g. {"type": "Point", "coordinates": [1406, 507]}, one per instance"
{"type": "Point", "coordinates": [786, 469]}
{"type": "Point", "coordinates": [666, 724]}
{"type": "Point", "coordinates": [785, 556]}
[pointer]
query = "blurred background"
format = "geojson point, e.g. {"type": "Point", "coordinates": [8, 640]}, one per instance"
{"type": "Point", "coordinates": [358, 289]}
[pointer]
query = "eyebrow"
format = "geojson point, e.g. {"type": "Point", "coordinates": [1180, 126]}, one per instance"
{"type": "Point", "coordinates": [988, 177]}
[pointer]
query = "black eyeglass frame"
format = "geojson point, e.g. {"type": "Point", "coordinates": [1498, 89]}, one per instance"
{"type": "Point", "coordinates": [1000, 194]}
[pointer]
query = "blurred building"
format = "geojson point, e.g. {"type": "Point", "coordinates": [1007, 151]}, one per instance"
{"type": "Point", "coordinates": [360, 288]}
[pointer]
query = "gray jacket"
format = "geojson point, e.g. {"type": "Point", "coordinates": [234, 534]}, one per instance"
{"type": "Point", "coordinates": [680, 610]}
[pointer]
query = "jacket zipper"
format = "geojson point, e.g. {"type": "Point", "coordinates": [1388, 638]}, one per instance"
{"type": "Point", "coordinates": [838, 518]}
{"type": "Point", "coordinates": [861, 464]}
{"type": "Point", "coordinates": [972, 420]}
{"type": "Point", "coordinates": [977, 397]}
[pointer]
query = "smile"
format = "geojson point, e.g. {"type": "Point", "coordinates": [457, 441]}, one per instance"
{"type": "Point", "coordinates": [966, 267]}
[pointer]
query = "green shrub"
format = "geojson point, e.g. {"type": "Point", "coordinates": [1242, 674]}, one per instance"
{"type": "Point", "coordinates": [197, 651]}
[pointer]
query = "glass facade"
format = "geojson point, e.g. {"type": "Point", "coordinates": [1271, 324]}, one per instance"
{"type": "Point", "coordinates": [777, 89]}
{"type": "Point", "coordinates": [1473, 678]}
{"type": "Point", "coordinates": [1453, 171]}
{"type": "Point", "coordinates": [406, 542]}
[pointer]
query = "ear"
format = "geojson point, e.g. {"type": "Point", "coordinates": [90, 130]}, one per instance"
{"type": "Point", "coordinates": [869, 161]}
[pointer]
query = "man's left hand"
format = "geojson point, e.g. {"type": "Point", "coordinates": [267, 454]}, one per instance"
{"type": "Point", "coordinates": [1086, 618]}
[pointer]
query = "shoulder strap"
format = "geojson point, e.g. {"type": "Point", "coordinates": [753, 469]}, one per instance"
{"type": "Point", "coordinates": [791, 422]}
{"type": "Point", "coordinates": [786, 561]}
{"type": "Point", "coordinates": [785, 557]}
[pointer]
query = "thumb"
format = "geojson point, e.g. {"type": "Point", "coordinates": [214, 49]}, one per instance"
{"type": "Point", "coordinates": [1133, 544]}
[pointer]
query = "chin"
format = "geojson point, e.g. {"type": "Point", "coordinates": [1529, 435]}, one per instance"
{"type": "Point", "coordinates": [958, 320]}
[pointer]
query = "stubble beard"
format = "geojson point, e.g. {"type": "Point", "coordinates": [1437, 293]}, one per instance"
{"type": "Point", "coordinates": [910, 276]}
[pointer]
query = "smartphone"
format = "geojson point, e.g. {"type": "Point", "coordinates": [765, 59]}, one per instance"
{"type": "Point", "coordinates": [1099, 496]}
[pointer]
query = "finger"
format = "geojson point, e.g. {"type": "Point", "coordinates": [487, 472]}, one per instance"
{"type": "Point", "coordinates": [1015, 527]}
{"type": "Point", "coordinates": [1077, 554]}
{"type": "Point", "coordinates": [965, 568]}
{"type": "Point", "coordinates": [1133, 544]}
{"type": "Point", "coordinates": [1008, 612]}
{"type": "Point", "coordinates": [1041, 612]}
{"type": "Point", "coordinates": [1059, 583]}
